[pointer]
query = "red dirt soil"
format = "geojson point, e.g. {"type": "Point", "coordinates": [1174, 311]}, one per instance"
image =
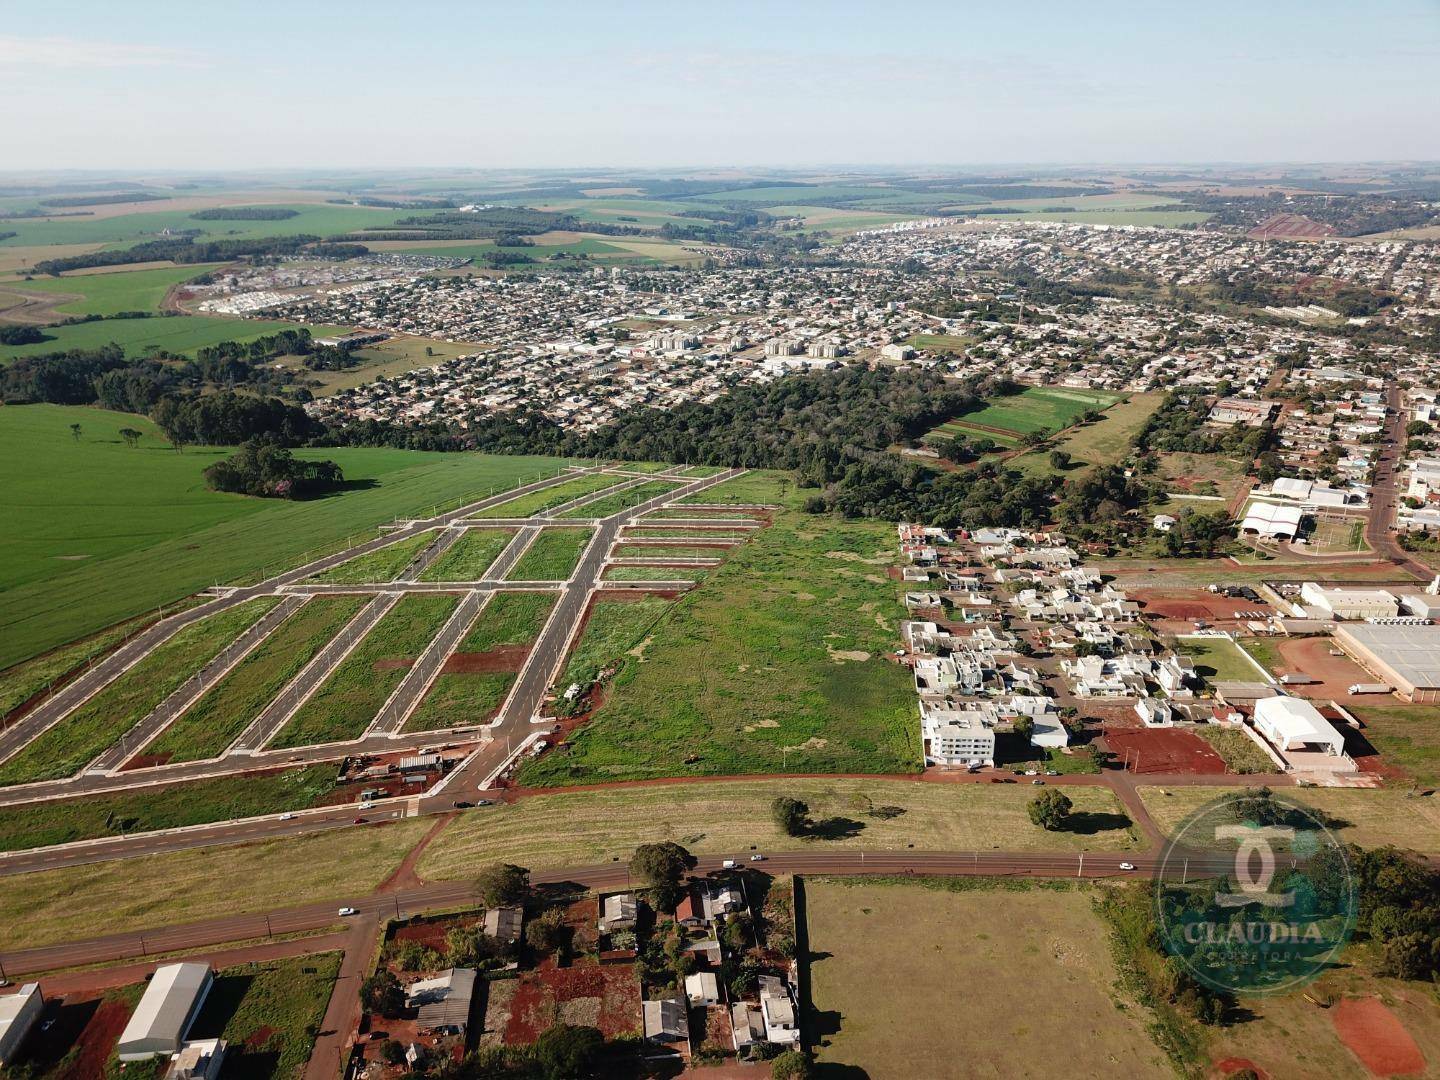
{"type": "Point", "coordinates": [1312, 657]}
{"type": "Point", "coordinates": [539, 993]}
{"type": "Point", "coordinates": [1231, 1066]}
{"type": "Point", "coordinates": [96, 1041]}
{"type": "Point", "coordinates": [393, 664]}
{"type": "Point", "coordinates": [1194, 604]}
{"type": "Point", "coordinates": [1164, 751]}
{"type": "Point", "coordinates": [1375, 1035]}
{"type": "Point", "coordinates": [505, 658]}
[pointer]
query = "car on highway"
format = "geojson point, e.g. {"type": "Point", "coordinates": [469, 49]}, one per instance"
{"type": "Point", "coordinates": [757, 857]}
{"type": "Point", "coordinates": [346, 912]}
{"type": "Point", "coordinates": [287, 816]}
{"type": "Point", "coordinates": [367, 805]}
{"type": "Point", "coordinates": [1037, 781]}
{"type": "Point", "coordinates": [730, 864]}
{"type": "Point", "coordinates": [361, 820]}
{"type": "Point", "coordinates": [1127, 866]}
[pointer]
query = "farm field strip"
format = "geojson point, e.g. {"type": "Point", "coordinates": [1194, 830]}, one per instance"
{"type": "Point", "coordinates": [80, 736]}
{"type": "Point", "coordinates": [346, 704]}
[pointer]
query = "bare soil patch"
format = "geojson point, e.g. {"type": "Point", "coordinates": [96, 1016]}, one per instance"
{"type": "Point", "coordinates": [1164, 751]}
{"type": "Point", "coordinates": [1377, 1037]}
{"type": "Point", "coordinates": [504, 658]}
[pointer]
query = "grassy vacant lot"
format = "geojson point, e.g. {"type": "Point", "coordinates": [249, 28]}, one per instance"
{"type": "Point", "coordinates": [666, 551]}
{"type": "Point", "coordinates": [79, 738]}
{"type": "Point", "coordinates": [349, 700]}
{"type": "Point", "coordinates": [1407, 735]}
{"type": "Point", "coordinates": [673, 531]}
{"type": "Point", "coordinates": [1050, 407]}
{"type": "Point", "coordinates": [60, 905]}
{"type": "Point", "coordinates": [174, 333]}
{"type": "Point", "coordinates": [614, 626]}
{"type": "Point", "coordinates": [1236, 749]}
{"type": "Point", "coordinates": [1102, 443]}
{"type": "Point", "coordinates": [941, 343]}
{"type": "Point", "coordinates": [20, 683]}
{"type": "Point", "coordinates": [885, 952]}
{"type": "Point", "coordinates": [111, 532]}
{"type": "Point", "coordinates": [508, 619]}
{"type": "Point", "coordinates": [623, 500]}
{"type": "Point", "coordinates": [747, 489]}
{"type": "Point", "coordinates": [461, 699]}
{"type": "Point", "coordinates": [469, 557]}
{"type": "Point", "coordinates": [579, 828]}
{"type": "Point", "coordinates": [1362, 816]}
{"type": "Point", "coordinates": [217, 719]}
{"type": "Point", "coordinates": [1219, 660]}
{"type": "Point", "coordinates": [107, 294]}
{"type": "Point", "coordinates": [537, 502]}
{"type": "Point", "coordinates": [654, 573]}
{"type": "Point", "coordinates": [265, 1012]}
{"type": "Point", "coordinates": [151, 808]}
{"type": "Point", "coordinates": [387, 359]}
{"type": "Point", "coordinates": [383, 564]}
{"type": "Point", "coordinates": [777, 662]}
{"type": "Point", "coordinates": [552, 556]}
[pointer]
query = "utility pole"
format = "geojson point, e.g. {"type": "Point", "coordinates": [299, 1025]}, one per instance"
{"type": "Point", "coordinates": [1080, 870]}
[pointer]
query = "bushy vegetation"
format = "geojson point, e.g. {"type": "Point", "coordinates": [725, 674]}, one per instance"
{"type": "Point", "coordinates": [246, 213]}
{"type": "Point", "coordinates": [266, 469]}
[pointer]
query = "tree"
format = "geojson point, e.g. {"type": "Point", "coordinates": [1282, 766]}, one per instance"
{"type": "Point", "coordinates": [382, 995]}
{"type": "Point", "coordinates": [565, 1051]}
{"type": "Point", "coordinates": [791, 815]}
{"type": "Point", "coordinates": [1024, 727]}
{"type": "Point", "coordinates": [1408, 956]}
{"type": "Point", "coordinates": [75, 432]}
{"type": "Point", "coordinates": [791, 1065]}
{"type": "Point", "coordinates": [503, 884]}
{"type": "Point", "coordinates": [661, 866]}
{"type": "Point", "coordinates": [1059, 460]}
{"type": "Point", "coordinates": [131, 436]}
{"type": "Point", "coordinates": [549, 932]}
{"type": "Point", "coordinates": [392, 1051]}
{"type": "Point", "coordinates": [1050, 809]}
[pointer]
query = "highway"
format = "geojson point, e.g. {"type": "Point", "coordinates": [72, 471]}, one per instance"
{"type": "Point", "coordinates": [1384, 493]}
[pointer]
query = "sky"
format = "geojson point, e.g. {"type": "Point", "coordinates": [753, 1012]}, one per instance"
{"type": "Point", "coordinates": [151, 84]}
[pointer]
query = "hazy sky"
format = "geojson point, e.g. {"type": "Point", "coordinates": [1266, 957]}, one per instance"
{"type": "Point", "coordinates": [149, 84]}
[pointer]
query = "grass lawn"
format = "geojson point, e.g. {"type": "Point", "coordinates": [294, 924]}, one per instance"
{"type": "Point", "coordinates": [1370, 818]}
{"type": "Point", "coordinates": [469, 557]}
{"type": "Point", "coordinates": [1218, 660]}
{"type": "Point", "coordinates": [1407, 735]}
{"type": "Point", "coordinates": [70, 745]}
{"type": "Point", "coordinates": [1102, 443]}
{"type": "Point", "coordinates": [147, 809]}
{"type": "Point", "coordinates": [174, 333]}
{"type": "Point", "coordinates": [60, 905]}
{"type": "Point", "coordinates": [1050, 407]}
{"type": "Point", "coordinates": [777, 662]}
{"type": "Point", "coordinates": [551, 556]}
{"type": "Point", "coordinates": [623, 500]}
{"type": "Point", "coordinates": [1236, 749]}
{"type": "Point", "coordinates": [727, 817]}
{"type": "Point", "coordinates": [383, 564]}
{"type": "Point", "coordinates": [217, 719]}
{"type": "Point", "coordinates": [676, 531]}
{"type": "Point", "coordinates": [882, 953]}
{"type": "Point", "coordinates": [108, 294]}
{"type": "Point", "coordinates": [940, 342]}
{"type": "Point", "coordinates": [264, 1011]}
{"type": "Point", "coordinates": [537, 502]}
{"type": "Point", "coordinates": [758, 488]}
{"type": "Point", "coordinates": [613, 628]}
{"type": "Point", "coordinates": [112, 532]}
{"type": "Point", "coordinates": [346, 703]}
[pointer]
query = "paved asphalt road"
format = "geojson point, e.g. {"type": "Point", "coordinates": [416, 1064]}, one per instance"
{"type": "Point", "coordinates": [1384, 494]}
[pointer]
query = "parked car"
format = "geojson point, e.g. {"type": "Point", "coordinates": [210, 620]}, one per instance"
{"type": "Point", "coordinates": [1037, 780]}
{"type": "Point", "coordinates": [483, 802]}
{"type": "Point", "coordinates": [346, 912]}
{"type": "Point", "coordinates": [461, 804]}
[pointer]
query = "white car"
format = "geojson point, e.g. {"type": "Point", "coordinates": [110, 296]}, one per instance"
{"type": "Point", "coordinates": [1127, 866]}
{"type": "Point", "coordinates": [757, 858]}
{"type": "Point", "coordinates": [287, 816]}
{"type": "Point", "coordinates": [346, 912]}
{"type": "Point", "coordinates": [730, 864]}
{"type": "Point", "coordinates": [368, 804]}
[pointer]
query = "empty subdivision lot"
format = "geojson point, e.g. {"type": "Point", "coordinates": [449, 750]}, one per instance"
{"type": "Point", "coordinates": [726, 817]}
{"type": "Point", "coordinates": [537, 502]}
{"type": "Point", "coordinates": [209, 726]}
{"type": "Point", "coordinates": [622, 500]}
{"type": "Point", "coordinates": [473, 684]}
{"type": "Point", "coordinates": [654, 573]}
{"type": "Point", "coordinates": [612, 627]}
{"type": "Point", "coordinates": [999, 970]}
{"type": "Point", "coordinates": [1370, 818]}
{"type": "Point", "coordinates": [551, 556]}
{"type": "Point", "coordinates": [383, 564]}
{"type": "Point", "coordinates": [346, 704]}
{"type": "Point", "coordinates": [469, 557]}
{"type": "Point", "coordinates": [207, 883]}
{"type": "Point", "coordinates": [89, 730]}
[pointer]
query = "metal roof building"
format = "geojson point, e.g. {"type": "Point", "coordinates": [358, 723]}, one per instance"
{"type": "Point", "coordinates": [444, 1001]}
{"type": "Point", "coordinates": [1405, 656]}
{"type": "Point", "coordinates": [165, 1013]}
{"type": "Point", "coordinates": [18, 1013]}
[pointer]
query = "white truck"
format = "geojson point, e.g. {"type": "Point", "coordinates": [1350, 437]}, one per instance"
{"type": "Point", "coordinates": [1370, 688]}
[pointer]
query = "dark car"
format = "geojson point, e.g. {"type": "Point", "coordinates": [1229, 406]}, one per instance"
{"type": "Point", "coordinates": [462, 805]}
{"type": "Point", "coordinates": [361, 820]}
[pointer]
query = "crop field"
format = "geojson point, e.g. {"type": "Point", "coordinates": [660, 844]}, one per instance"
{"type": "Point", "coordinates": [612, 628]}
{"type": "Point", "coordinates": [346, 703]}
{"type": "Point", "coordinates": [1036, 408]}
{"type": "Point", "coordinates": [552, 556]}
{"type": "Point", "coordinates": [1369, 818]}
{"type": "Point", "coordinates": [108, 294]}
{"type": "Point", "coordinates": [1104, 442]}
{"type": "Point", "coordinates": [725, 818]}
{"type": "Point", "coordinates": [622, 500]}
{"type": "Point", "coordinates": [537, 502]}
{"type": "Point", "coordinates": [469, 557]}
{"type": "Point", "coordinates": [60, 905]}
{"type": "Point", "coordinates": [80, 737]}
{"type": "Point", "coordinates": [1407, 736]}
{"type": "Point", "coordinates": [382, 564]}
{"type": "Point", "coordinates": [145, 809]}
{"type": "Point", "coordinates": [268, 1012]}
{"type": "Point", "coordinates": [871, 976]}
{"type": "Point", "coordinates": [1219, 659]}
{"type": "Point", "coordinates": [151, 532]}
{"type": "Point", "coordinates": [778, 662]}
{"type": "Point", "coordinates": [174, 333]}
{"type": "Point", "coordinates": [209, 726]}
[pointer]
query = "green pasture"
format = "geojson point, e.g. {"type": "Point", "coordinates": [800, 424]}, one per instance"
{"type": "Point", "coordinates": [109, 293]}
{"type": "Point", "coordinates": [173, 333]}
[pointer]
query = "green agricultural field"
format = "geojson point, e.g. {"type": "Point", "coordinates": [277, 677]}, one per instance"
{"type": "Point", "coordinates": [469, 557]}
{"type": "Point", "coordinates": [1219, 660]}
{"type": "Point", "coordinates": [552, 555]}
{"type": "Point", "coordinates": [79, 738]}
{"type": "Point", "coordinates": [510, 618]}
{"type": "Point", "coordinates": [623, 500]}
{"type": "Point", "coordinates": [593, 247]}
{"type": "Point", "coordinates": [112, 532]}
{"type": "Point", "coordinates": [1105, 442]}
{"type": "Point", "coordinates": [537, 502]}
{"type": "Point", "coordinates": [612, 629]}
{"type": "Point", "coordinates": [110, 293]}
{"type": "Point", "coordinates": [382, 564]}
{"type": "Point", "coordinates": [778, 662]}
{"type": "Point", "coordinates": [1051, 408]}
{"type": "Point", "coordinates": [217, 719]}
{"type": "Point", "coordinates": [346, 703]}
{"type": "Point", "coordinates": [174, 333]}
{"type": "Point", "coordinates": [268, 1013]}
{"type": "Point", "coordinates": [147, 809]}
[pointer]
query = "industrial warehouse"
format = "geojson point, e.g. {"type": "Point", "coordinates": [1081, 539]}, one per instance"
{"type": "Point", "coordinates": [1407, 656]}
